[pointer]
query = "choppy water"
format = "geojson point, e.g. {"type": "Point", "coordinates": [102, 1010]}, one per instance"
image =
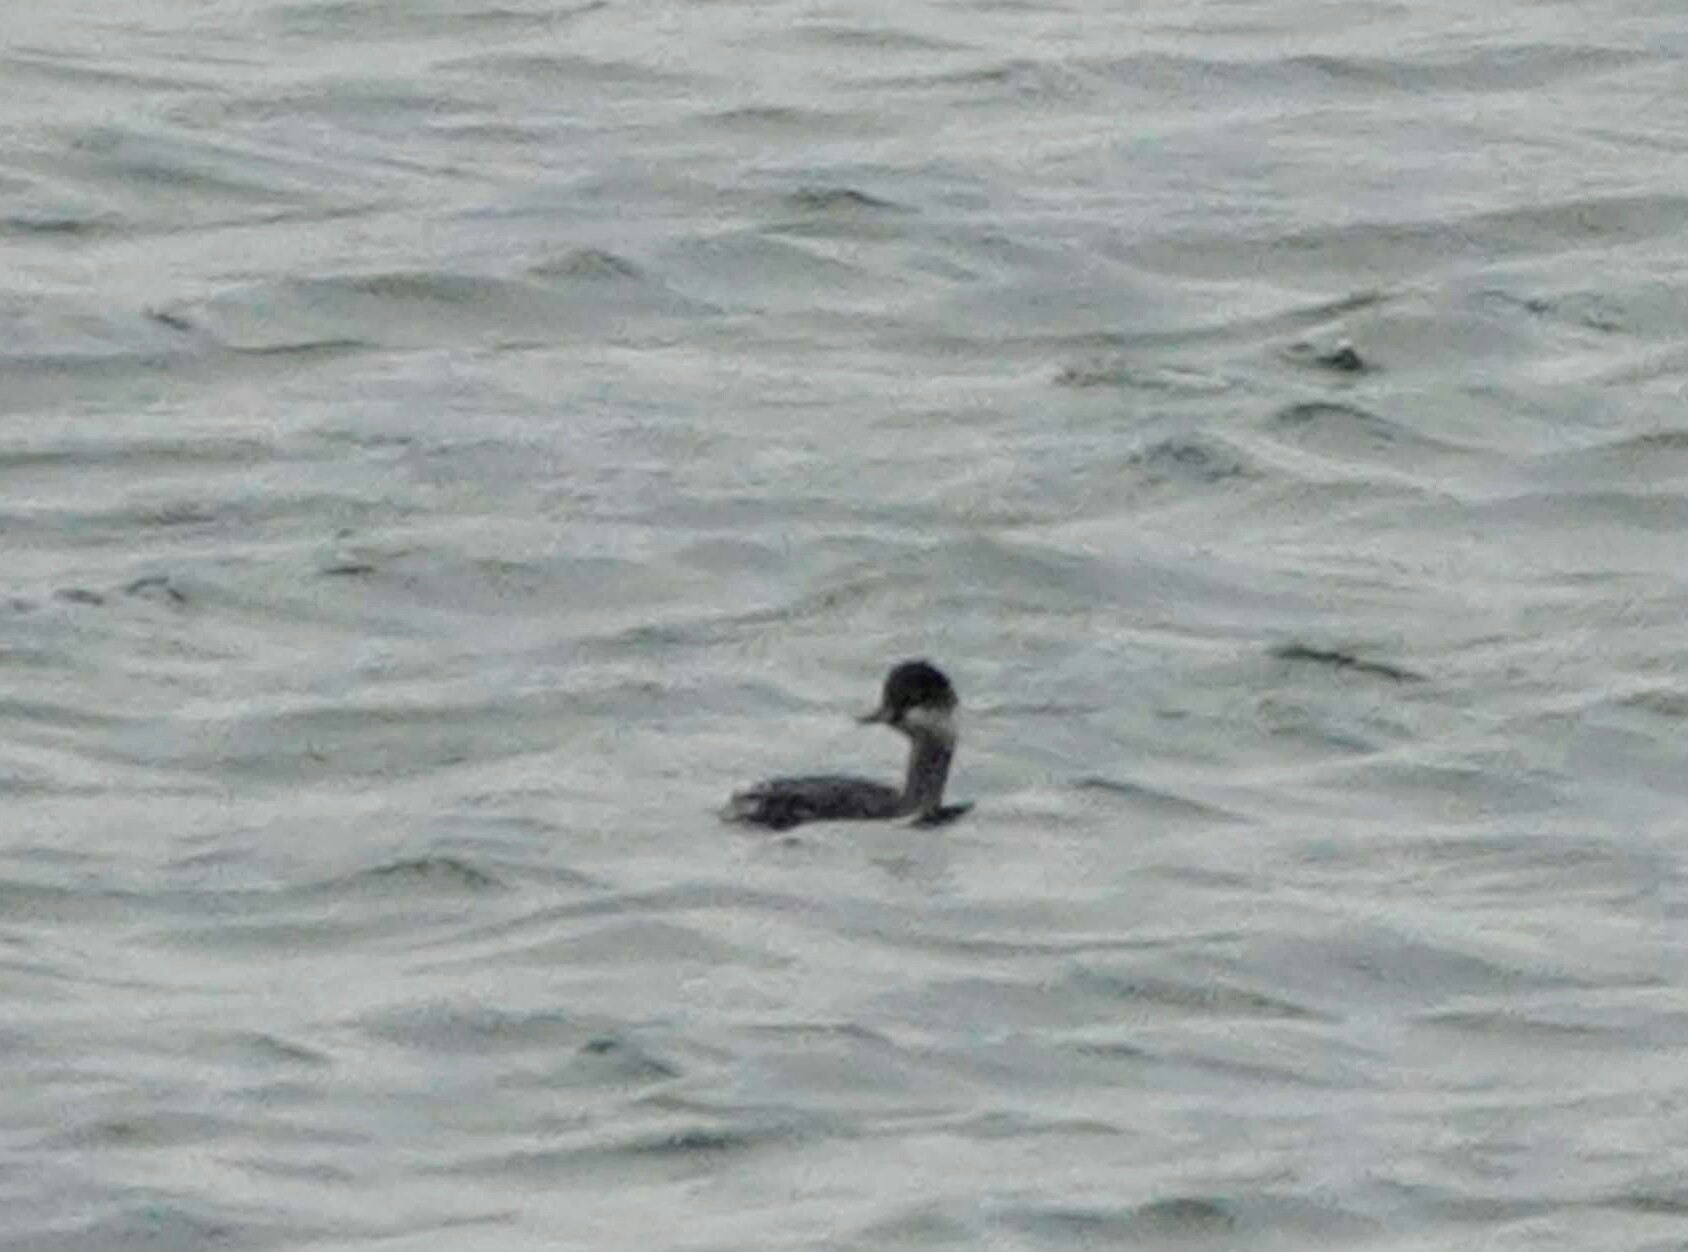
{"type": "Point", "coordinates": [446, 446]}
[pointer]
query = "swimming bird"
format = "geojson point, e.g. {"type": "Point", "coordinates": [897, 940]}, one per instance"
{"type": "Point", "coordinates": [918, 701]}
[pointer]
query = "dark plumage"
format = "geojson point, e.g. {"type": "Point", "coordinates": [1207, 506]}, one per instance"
{"type": "Point", "coordinates": [918, 701]}
{"type": "Point", "coordinates": [910, 685]}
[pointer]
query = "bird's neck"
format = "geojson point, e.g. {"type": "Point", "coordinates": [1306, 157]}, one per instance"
{"type": "Point", "coordinates": [928, 770]}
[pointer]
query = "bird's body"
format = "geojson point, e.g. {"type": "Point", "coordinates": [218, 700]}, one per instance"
{"type": "Point", "coordinates": [781, 803]}
{"type": "Point", "coordinates": [917, 701]}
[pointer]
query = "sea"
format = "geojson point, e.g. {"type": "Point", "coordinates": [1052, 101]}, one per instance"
{"type": "Point", "coordinates": [447, 446]}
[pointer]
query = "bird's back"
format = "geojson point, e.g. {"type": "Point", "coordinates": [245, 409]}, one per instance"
{"type": "Point", "coordinates": [781, 803]}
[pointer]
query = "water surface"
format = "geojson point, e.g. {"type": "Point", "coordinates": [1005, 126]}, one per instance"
{"type": "Point", "coordinates": [445, 447]}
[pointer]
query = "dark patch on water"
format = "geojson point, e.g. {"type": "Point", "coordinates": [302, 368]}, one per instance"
{"type": "Point", "coordinates": [476, 1029]}
{"type": "Point", "coordinates": [158, 1129]}
{"type": "Point", "coordinates": [1158, 379]}
{"type": "Point", "coordinates": [773, 116]}
{"type": "Point", "coordinates": [877, 38]}
{"type": "Point", "coordinates": [1181, 1217]}
{"type": "Point", "coordinates": [1341, 358]}
{"type": "Point", "coordinates": [1189, 459]}
{"type": "Point", "coordinates": [174, 320]}
{"type": "Point", "coordinates": [924, 1226]}
{"type": "Point", "coordinates": [1314, 412]}
{"type": "Point", "coordinates": [1662, 702]}
{"type": "Point", "coordinates": [1187, 1214]}
{"type": "Point", "coordinates": [1587, 310]}
{"type": "Point", "coordinates": [611, 1058]}
{"type": "Point", "coordinates": [1148, 797]}
{"type": "Point", "coordinates": [589, 263]}
{"type": "Point", "coordinates": [1533, 1030]}
{"type": "Point", "coordinates": [156, 1224]}
{"type": "Point", "coordinates": [433, 872]}
{"type": "Point", "coordinates": [1205, 995]}
{"type": "Point", "coordinates": [1662, 1202]}
{"type": "Point", "coordinates": [345, 22]}
{"type": "Point", "coordinates": [838, 200]}
{"type": "Point", "coordinates": [305, 348]}
{"type": "Point", "coordinates": [1338, 659]}
{"type": "Point", "coordinates": [79, 595]}
{"type": "Point", "coordinates": [941, 816]}
{"type": "Point", "coordinates": [265, 1047]}
{"type": "Point", "coordinates": [701, 1141]}
{"type": "Point", "coordinates": [60, 224]}
{"type": "Point", "coordinates": [156, 587]}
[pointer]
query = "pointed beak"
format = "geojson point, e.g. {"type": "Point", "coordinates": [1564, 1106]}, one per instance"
{"type": "Point", "coordinates": [881, 715]}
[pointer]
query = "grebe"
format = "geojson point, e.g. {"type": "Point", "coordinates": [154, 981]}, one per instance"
{"type": "Point", "coordinates": [919, 701]}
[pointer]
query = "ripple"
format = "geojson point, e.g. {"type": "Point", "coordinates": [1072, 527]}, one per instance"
{"type": "Point", "coordinates": [427, 873]}
{"type": "Point", "coordinates": [842, 200]}
{"type": "Point", "coordinates": [1341, 659]}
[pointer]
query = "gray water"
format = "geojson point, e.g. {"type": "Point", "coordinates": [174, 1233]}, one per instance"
{"type": "Point", "coordinates": [447, 446]}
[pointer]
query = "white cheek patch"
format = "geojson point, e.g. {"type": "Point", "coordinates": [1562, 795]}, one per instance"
{"type": "Point", "coordinates": [939, 723]}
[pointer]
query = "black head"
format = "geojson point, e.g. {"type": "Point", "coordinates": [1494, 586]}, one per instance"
{"type": "Point", "coordinates": [911, 686]}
